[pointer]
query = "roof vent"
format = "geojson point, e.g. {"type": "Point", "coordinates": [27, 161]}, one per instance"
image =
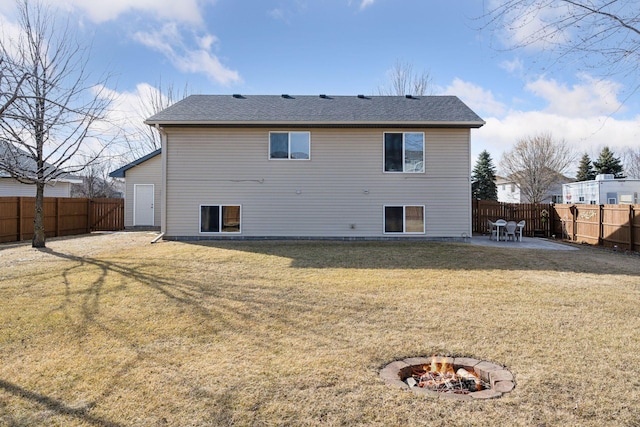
{"type": "Point", "coordinates": [362, 97]}
{"type": "Point", "coordinates": [323, 96]}
{"type": "Point", "coordinates": [238, 96]}
{"type": "Point", "coordinates": [409, 96]}
{"type": "Point", "coordinates": [285, 96]}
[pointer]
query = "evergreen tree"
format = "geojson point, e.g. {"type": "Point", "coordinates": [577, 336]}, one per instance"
{"type": "Point", "coordinates": [585, 169]}
{"type": "Point", "coordinates": [483, 178]}
{"type": "Point", "coordinates": [608, 164]}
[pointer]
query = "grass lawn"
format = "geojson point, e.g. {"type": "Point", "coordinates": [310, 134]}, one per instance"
{"type": "Point", "coordinates": [109, 330]}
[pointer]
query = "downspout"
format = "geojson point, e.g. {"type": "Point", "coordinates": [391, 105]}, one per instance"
{"type": "Point", "coordinates": [163, 185]}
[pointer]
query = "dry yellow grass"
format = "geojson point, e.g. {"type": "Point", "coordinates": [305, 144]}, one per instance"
{"type": "Point", "coordinates": [110, 330]}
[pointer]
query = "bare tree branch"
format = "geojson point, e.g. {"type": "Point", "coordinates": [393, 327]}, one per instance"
{"type": "Point", "coordinates": [143, 139]}
{"type": "Point", "coordinates": [403, 80]}
{"type": "Point", "coordinates": [602, 35]}
{"type": "Point", "coordinates": [536, 163]}
{"type": "Point", "coordinates": [55, 125]}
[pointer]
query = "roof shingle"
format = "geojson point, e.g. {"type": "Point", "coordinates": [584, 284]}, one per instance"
{"type": "Point", "coordinates": [330, 110]}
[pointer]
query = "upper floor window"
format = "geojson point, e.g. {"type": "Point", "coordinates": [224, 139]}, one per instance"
{"type": "Point", "coordinates": [404, 152]}
{"type": "Point", "coordinates": [289, 145]}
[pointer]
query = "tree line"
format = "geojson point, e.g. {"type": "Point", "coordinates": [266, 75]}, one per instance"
{"type": "Point", "coordinates": [538, 163]}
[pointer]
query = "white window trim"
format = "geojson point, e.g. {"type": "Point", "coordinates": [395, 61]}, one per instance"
{"type": "Point", "coordinates": [403, 153]}
{"type": "Point", "coordinates": [220, 220]}
{"type": "Point", "coordinates": [404, 220]}
{"type": "Point", "coordinates": [288, 145]}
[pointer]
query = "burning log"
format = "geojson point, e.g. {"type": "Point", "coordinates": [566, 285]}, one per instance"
{"type": "Point", "coordinates": [440, 377]}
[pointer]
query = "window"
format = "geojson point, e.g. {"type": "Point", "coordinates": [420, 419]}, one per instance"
{"type": "Point", "coordinates": [404, 219]}
{"type": "Point", "coordinates": [404, 152]}
{"type": "Point", "coordinates": [219, 219]}
{"type": "Point", "coordinates": [289, 145]}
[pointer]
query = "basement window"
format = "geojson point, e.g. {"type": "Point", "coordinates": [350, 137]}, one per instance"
{"type": "Point", "coordinates": [219, 219]}
{"type": "Point", "coordinates": [405, 219]}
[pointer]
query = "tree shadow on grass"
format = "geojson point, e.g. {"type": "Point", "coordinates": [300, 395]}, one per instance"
{"type": "Point", "coordinates": [212, 299]}
{"type": "Point", "coordinates": [56, 405]}
{"type": "Point", "coordinates": [217, 305]}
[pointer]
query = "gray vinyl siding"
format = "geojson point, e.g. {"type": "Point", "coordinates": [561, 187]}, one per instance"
{"type": "Point", "coordinates": [148, 172]}
{"type": "Point", "coordinates": [342, 185]}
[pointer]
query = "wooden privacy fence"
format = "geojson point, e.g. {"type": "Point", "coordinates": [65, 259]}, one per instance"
{"type": "Point", "coordinates": [540, 219]}
{"type": "Point", "coordinates": [607, 225]}
{"type": "Point", "coordinates": [62, 216]}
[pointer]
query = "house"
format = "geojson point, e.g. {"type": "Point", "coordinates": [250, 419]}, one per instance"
{"type": "Point", "coordinates": [18, 159]}
{"type": "Point", "coordinates": [315, 167]}
{"type": "Point", "coordinates": [603, 190]}
{"type": "Point", "coordinates": [143, 190]}
{"type": "Point", "coordinates": [509, 191]}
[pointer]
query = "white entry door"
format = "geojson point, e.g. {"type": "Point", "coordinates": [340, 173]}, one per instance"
{"type": "Point", "coordinates": [143, 204]}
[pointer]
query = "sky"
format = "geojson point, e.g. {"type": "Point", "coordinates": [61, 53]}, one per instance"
{"type": "Point", "coordinates": [348, 47]}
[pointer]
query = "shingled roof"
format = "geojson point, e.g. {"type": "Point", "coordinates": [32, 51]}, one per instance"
{"type": "Point", "coordinates": [323, 110]}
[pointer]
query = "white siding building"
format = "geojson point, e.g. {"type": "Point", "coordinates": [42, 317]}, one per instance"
{"type": "Point", "coordinates": [143, 190]}
{"type": "Point", "coordinates": [603, 190]}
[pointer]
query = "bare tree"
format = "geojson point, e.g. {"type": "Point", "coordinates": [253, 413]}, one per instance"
{"type": "Point", "coordinates": [52, 127]}
{"type": "Point", "coordinates": [96, 182]}
{"type": "Point", "coordinates": [143, 139]}
{"type": "Point", "coordinates": [403, 80]}
{"type": "Point", "coordinates": [537, 163]}
{"type": "Point", "coordinates": [601, 34]}
{"type": "Point", "coordinates": [631, 160]}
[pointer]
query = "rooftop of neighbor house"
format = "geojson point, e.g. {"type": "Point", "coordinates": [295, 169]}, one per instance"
{"type": "Point", "coordinates": [360, 110]}
{"type": "Point", "coordinates": [25, 166]}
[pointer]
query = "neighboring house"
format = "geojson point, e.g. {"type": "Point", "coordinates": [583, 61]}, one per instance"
{"type": "Point", "coordinates": [315, 167]}
{"type": "Point", "coordinates": [11, 187]}
{"type": "Point", "coordinates": [603, 190]}
{"type": "Point", "coordinates": [143, 189]}
{"type": "Point", "coordinates": [509, 191]}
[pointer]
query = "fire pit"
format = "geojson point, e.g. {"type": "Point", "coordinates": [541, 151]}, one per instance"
{"type": "Point", "coordinates": [461, 378]}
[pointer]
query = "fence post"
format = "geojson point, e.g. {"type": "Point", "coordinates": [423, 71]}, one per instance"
{"type": "Point", "coordinates": [19, 230]}
{"type": "Point", "coordinates": [89, 216]}
{"type": "Point", "coordinates": [600, 225]}
{"type": "Point", "coordinates": [57, 216]}
{"type": "Point", "coordinates": [631, 230]}
{"type": "Point", "coordinates": [574, 223]}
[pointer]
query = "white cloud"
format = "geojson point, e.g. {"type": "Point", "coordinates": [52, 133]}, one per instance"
{"type": "Point", "coordinates": [532, 25]}
{"type": "Point", "coordinates": [513, 67]}
{"type": "Point", "coordinates": [480, 100]}
{"type": "Point", "coordinates": [366, 3]}
{"type": "Point", "coordinates": [581, 114]}
{"type": "Point", "coordinates": [102, 11]}
{"type": "Point", "coordinates": [278, 14]}
{"type": "Point", "coordinates": [590, 98]}
{"type": "Point", "coordinates": [170, 42]}
{"type": "Point", "coordinates": [587, 134]}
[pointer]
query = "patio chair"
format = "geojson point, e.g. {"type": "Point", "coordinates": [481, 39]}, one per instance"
{"type": "Point", "coordinates": [491, 226]}
{"type": "Point", "coordinates": [520, 226]}
{"type": "Point", "coordinates": [511, 230]}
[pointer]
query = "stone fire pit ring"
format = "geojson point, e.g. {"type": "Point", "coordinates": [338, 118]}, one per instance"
{"type": "Point", "coordinates": [498, 377]}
